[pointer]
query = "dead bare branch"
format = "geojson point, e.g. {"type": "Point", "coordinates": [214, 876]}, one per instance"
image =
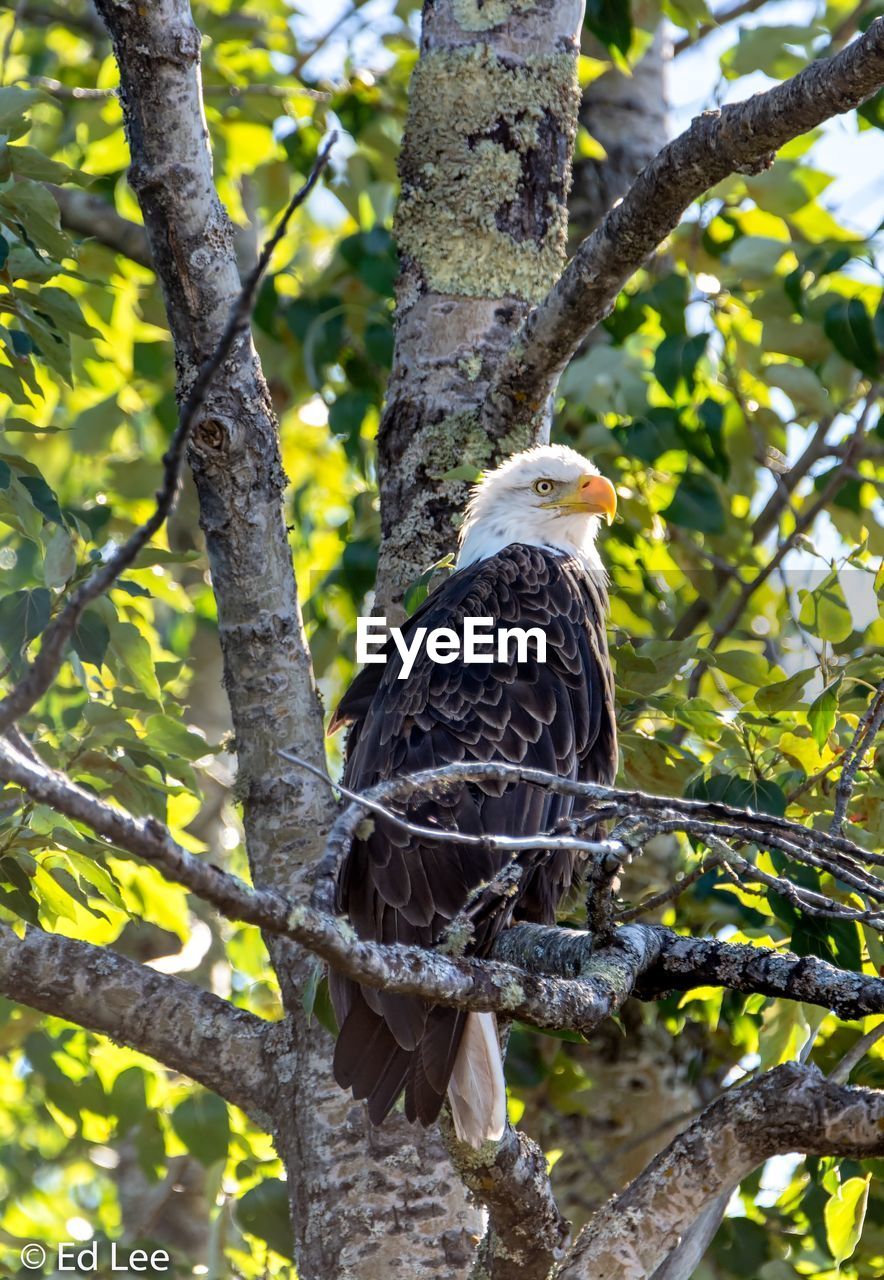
{"type": "Point", "coordinates": [863, 739]}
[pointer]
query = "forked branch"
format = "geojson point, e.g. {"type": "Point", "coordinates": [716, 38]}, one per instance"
{"type": "Point", "coordinates": [740, 138]}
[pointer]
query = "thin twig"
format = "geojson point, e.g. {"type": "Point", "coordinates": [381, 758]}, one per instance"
{"type": "Point", "coordinates": [855, 1054]}
{"type": "Point", "coordinates": [670, 895]}
{"type": "Point", "coordinates": [45, 667]}
{"type": "Point", "coordinates": [81, 93]}
{"type": "Point", "coordinates": [802, 524]}
{"type": "Point", "coordinates": [863, 739]}
{"type": "Point", "coordinates": [719, 20]}
{"type": "Point", "coordinates": [372, 801]}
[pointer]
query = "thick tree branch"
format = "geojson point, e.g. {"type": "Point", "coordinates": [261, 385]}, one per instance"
{"type": "Point", "coordinates": [685, 963]}
{"type": "Point", "coordinates": [526, 1232]}
{"type": "Point", "coordinates": [549, 977]}
{"type": "Point", "coordinates": [186, 1029]}
{"type": "Point", "coordinates": [92, 216]}
{"type": "Point", "coordinates": [54, 640]}
{"type": "Point", "coordinates": [605, 979]}
{"type": "Point", "coordinates": [740, 138]}
{"type": "Point", "coordinates": [792, 1108]}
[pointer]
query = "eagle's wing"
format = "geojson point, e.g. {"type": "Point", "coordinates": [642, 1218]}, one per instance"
{"type": "Point", "coordinates": [557, 715]}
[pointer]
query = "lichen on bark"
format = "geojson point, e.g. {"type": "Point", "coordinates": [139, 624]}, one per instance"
{"type": "Point", "coordinates": [485, 171]}
{"type": "Point", "coordinates": [484, 15]}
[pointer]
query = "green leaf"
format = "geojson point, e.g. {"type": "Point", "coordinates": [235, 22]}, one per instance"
{"type": "Point", "coordinates": [132, 656]}
{"type": "Point", "coordinates": [28, 162]}
{"type": "Point", "coordinates": [60, 559]}
{"type": "Point", "coordinates": [654, 664]}
{"type": "Point", "coordinates": [824, 612]}
{"type": "Point", "coordinates": [172, 736]}
{"type": "Point", "coordinates": [611, 22]}
{"type": "Point", "coordinates": [783, 694]}
{"type": "Point", "coordinates": [844, 1216]}
{"type": "Point", "coordinates": [18, 511]}
{"type": "Point", "coordinates": [43, 498]}
{"type": "Point", "coordinates": [849, 327]}
{"type": "Point", "coordinates": [744, 665]}
{"type": "Point", "coordinates": [23, 615]}
{"type": "Point", "coordinates": [696, 505]}
{"type": "Point", "coordinates": [203, 1125]}
{"type": "Point", "coordinates": [91, 637]}
{"type": "Point", "coordinates": [64, 312]}
{"type": "Point", "coordinates": [759, 794]}
{"type": "Point", "coordinates": [31, 208]}
{"type": "Point", "coordinates": [14, 102]}
{"type": "Point", "coordinates": [822, 711]}
{"type": "Point", "coordinates": [676, 361]}
{"type": "Point", "coordinates": [767, 48]}
{"type": "Point", "coordinates": [264, 1212]}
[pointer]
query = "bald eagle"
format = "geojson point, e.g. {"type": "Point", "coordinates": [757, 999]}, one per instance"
{"type": "Point", "coordinates": [527, 558]}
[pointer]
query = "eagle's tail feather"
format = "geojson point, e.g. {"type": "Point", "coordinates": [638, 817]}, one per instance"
{"type": "Point", "coordinates": [477, 1091]}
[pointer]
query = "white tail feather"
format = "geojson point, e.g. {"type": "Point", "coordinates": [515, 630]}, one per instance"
{"type": "Point", "coordinates": [477, 1091]}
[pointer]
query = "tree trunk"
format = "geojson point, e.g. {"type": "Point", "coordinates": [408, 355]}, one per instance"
{"type": "Point", "coordinates": [627, 116]}
{"type": "Point", "coordinates": [362, 1201]}
{"type": "Point", "coordinates": [481, 229]}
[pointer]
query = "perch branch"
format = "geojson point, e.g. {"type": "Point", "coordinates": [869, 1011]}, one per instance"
{"type": "Point", "coordinates": [549, 977]}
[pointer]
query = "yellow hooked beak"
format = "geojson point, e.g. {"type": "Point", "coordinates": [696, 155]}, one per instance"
{"type": "Point", "coordinates": [593, 494]}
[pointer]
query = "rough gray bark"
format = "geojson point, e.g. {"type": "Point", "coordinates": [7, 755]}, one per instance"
{"type": "Point", "coordinates": [481, 230]}
{"type": "Point", "coordinates": [239, 480]}
{"type": "Point", "coordinates": [792, 1108]}
{"type": "Point", "coordinates": [191, 1031]}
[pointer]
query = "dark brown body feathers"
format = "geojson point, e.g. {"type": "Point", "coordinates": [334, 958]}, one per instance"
{"type": "Point", "coordinates": [557, 716]}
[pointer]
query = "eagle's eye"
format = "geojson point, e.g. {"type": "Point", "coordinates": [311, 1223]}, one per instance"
{"type": "Point", "coordinates": [543, 487]}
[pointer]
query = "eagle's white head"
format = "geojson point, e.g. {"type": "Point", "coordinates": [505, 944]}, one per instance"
{"type": "Point", "coordinates": [549, 496]}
